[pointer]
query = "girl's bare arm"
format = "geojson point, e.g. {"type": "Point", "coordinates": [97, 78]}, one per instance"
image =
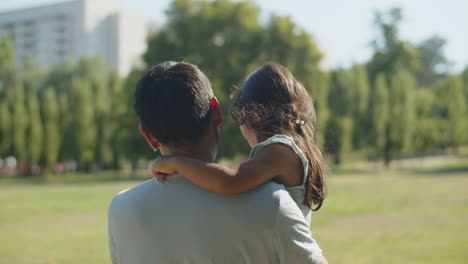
{"type": "Point", "coordinates": [273, 161]}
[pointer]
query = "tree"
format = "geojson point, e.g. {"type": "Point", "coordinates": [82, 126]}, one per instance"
{"type": "Point", "coordinates": [32, 75]}
{"type": "Point", "coordinates": [456, 109]}
{"type": "Point", "coordinates": [360, 103]}
{"type": "Point", "coordinates": [391, 53]}
{"type": "Point", "coordinates": [119, 106]}
{"type": "Point", "coordinates": [35, 135]}
{"type": "Point", "coordinates": [402, 111]}
{"type": "Point", "coordinates": [361, 89]}
{"type": "Point", "coordinates": [6, 95]}
{"type": "Point", "coordinates": [7, 63]}
{"type": "Point", "coordinates": [394, 114]}
{"type": "Point", "coordinates": [84, 122]}
{"type": "Point", "coordinates": [380, 113]}
{"type": "Point", "coordinates": [428, 134]}
{"type": "Point", "coordinates": [99, 85]}
{"type": "Point", "coordinates": [340, 125]}
{"type": "Point", "coordinates": [319, 86]}
{"type": "Point", "coordinates": [51, 128]}
{"type": "Point", "coordinates": [433, 64]}
{"type": "Point", "coordinates": [5, 128]}
{"type": "Point", "coordinates": [20, 124]}
{"type": "Point", "coordinates": [338, 137]}
{"type": "Point", "coordinates": [394, 58]}
{"type": "Point", "coordinates": [465, 82]}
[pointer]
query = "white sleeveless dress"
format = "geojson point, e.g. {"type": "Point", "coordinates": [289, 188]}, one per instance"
{"type": "Point", "coordinates": [297, 193]}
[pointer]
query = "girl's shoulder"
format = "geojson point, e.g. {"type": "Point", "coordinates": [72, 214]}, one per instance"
{"type": "Point", "coordinates": [277, 139]}
{"type": "Point", "coordinates": [283, 140]}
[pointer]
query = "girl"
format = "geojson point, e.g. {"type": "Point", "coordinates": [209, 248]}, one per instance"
{"type": "Point", "coordinates": [277, 117]}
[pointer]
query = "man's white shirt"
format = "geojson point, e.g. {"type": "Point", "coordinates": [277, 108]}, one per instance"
{"type": "Point", "coordinates": [176, 221]}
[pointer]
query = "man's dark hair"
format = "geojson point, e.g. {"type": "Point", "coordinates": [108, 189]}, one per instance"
{"type": "Point", "coordinates": [172, 101]}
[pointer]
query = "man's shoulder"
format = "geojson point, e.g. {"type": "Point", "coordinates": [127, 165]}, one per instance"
{"type": "Point", "coordinates": [268, 196]}
{"type": "Point", "coordinates": [132, 194]}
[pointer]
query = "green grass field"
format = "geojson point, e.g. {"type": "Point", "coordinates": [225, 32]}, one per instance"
{"type": "Point", "coordinates": [396, 216]}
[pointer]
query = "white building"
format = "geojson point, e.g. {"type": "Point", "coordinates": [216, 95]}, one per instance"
{"type": "Point", "coordinates": [72, 29]}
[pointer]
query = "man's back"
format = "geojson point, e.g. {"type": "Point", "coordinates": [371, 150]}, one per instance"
{"type": "Point", "coordinates": [177, 222]}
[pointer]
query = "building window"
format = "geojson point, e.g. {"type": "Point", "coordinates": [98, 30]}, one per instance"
{"type": "Point", "coordinates": [60, 41]}
{"type": "Point", "coordinates": [28, 23]}
{"type": "Point", "coordinates": [60, 53]}
{"type": "Point", "coordinates": [28, 46]}
{"type": "Point", "coordinates": [28, 34]}
{"type": "Point", "coordinates": [61, 29]}
{"type": "Point", "coordinates": [60, 18]}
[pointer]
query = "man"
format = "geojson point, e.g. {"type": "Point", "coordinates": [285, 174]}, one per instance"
{"type": "Point", "coordinates": [176, 221]}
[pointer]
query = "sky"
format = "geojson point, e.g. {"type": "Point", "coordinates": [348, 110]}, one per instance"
{"type": "Point", "coordinates": [342, 28]}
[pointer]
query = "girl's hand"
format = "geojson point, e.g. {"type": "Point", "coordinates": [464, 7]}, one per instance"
{"type": "Point", "coordinates": [162, 166]}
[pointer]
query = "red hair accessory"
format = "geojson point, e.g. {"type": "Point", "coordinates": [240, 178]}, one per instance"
{"type": "Point", "coordinates": [213, 102]}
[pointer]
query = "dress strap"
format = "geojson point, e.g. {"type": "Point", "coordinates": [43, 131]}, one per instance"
{"type": "Point", "coordinates": [285, 140]}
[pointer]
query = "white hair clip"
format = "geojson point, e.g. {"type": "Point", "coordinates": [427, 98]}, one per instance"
{"type": "Point", "coordinates": [300, 122]}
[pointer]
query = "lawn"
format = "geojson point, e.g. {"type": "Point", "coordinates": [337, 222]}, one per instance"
{"type": "Point", "coordinates": [389, 216]}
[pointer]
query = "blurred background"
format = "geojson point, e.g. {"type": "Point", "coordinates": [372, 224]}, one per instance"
{"type": "Point", "coordinates": [389, 80]}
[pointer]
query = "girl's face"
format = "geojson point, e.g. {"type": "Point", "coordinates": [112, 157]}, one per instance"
{"type": "Point", "coordinates": [249, 134]}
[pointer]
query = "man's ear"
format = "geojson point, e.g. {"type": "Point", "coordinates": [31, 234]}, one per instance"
{"type": "Point", "coordinates": [152, 141]}
{"type": "Point", "coordinates": [216, 113]}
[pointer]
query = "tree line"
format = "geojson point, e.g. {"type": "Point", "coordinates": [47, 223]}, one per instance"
{"type": "Point", "coordinates": [403, 101]}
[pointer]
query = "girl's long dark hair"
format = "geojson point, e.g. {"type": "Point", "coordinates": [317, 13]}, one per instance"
{"type": "Point", "coordinates": [271, 101]}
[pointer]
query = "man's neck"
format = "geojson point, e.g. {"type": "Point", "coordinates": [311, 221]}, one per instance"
{"type": "Point", "coordinates": [192, 151]}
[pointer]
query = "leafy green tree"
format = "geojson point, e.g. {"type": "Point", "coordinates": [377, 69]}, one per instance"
{"type": "Point", "coordinates": [456, 109]}
{"type": "Point", "coordinates": [52, 131]}
{"type": "Point", "coordinates": [340, 125]}
{"type": "Point", "coordinates": [380, 113]}
{"type": "Point", "coordinates": [59, 77]}
{"type": "Point", "coordinates": [394, 114]}
{"type": "Point", "coordinates": [428, 134]}
{"type": "Point", "coordinates": [394, 58]}
{"type": "Point", "coordinates": [465, 82]}
{"type": "Point", "coordinates": [341, 94]}
{"type": "Point", "coordinates": [391, 53]}
{"type": "Point", "coordinates": [338, 137]}
{"type": "Point", "coordinates": [68, 149]}
{"type": "Point", "coordinates": [319, 86]}
{"type": "Point", "coordinates": [360, 89]}
{"type": "Point", "coordinates": [7, 95]}
{"type": "Point", "coordinates": [6, 54]}
{"type": "Point", "coordinates": [84, 122]}
{"type": "Point", "coordinates": [119, 107]}
{"type": "Point", "coordinates": [402, 111]}
{"type": "Point", "coordinates": [5, 128]}
{"type": "Point", "coordinates": [433, 64]}
{"type": "Point", "coordinates": [32, 75]}
{"type": "Point", "coordinates": [7, 63]}
{"type": "Point", "coordinates": [20, 124]}
{"type": "Point", "coordinates": [102, 108]}
{"type": "Point", "coordinates": [35, 131]}
{"type": "Point", "coordinates": [293, 47]}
